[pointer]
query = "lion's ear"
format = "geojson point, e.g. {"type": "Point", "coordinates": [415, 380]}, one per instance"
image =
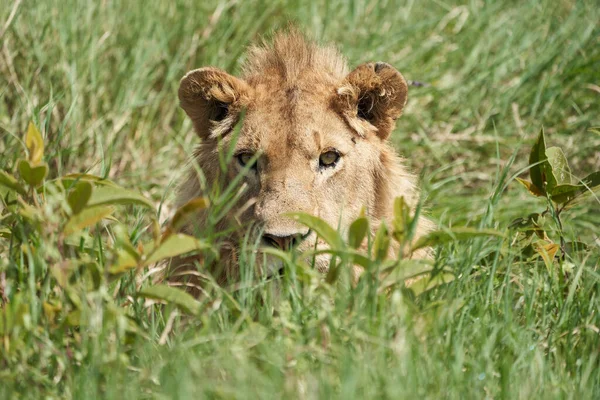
{"type": "Point", "coordinates": [372, 97]}
{"type": "Point", "coordinates": [212, 99]}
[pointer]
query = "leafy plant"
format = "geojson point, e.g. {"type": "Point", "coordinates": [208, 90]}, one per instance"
{"type": "Point", "coordinates": [551, 178]}
{"type": "Point", "coordinates": [386, 261]}
{"type": "Point", "coordinates": [93, 249]}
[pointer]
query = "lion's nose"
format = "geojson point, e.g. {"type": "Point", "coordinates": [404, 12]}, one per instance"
{"type": "Point", "coordinates": [284, 243]}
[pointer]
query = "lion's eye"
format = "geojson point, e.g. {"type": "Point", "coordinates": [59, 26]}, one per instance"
{"type": "Point", "coordinates": [244, 158]}
{"type": "Point", "coordinates": [329, 158]}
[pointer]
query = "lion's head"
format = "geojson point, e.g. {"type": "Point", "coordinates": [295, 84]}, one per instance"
{"type": "Point", "coordinates": [314, 138]}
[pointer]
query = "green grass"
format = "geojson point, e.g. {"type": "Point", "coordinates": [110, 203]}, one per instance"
{"type": "Point", "coordinates": [100, 80]}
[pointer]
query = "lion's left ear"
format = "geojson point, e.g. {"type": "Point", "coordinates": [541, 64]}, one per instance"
{"type": "Point", "coordinates": [372, 97]}
{"type": "Point", "coordinates": [212, 98]}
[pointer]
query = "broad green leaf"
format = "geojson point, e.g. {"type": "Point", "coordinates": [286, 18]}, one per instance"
{"type": "Point", "coordinates": [175, 245]}
{"type": "Point", "coordinates": [29, 212]}
{"type": "Point", "coordinates": [537, 155]}
{"type": "Point", "coordinates": [71, 179]}
{"type": "Point", "coordinates": [548, 177]}
{"type": "Point", "coordinates": [74, 318]}
{"type": "Point", "coordinates": [63, 271]}
{"type": "Point", "coordinates": [125, 262]}
{"type": "Point", "coordinates": [401, 219]}
{"type": "Point", "coordinates": [91, 270]}
{"type": "Point", "coordinates": [402, 271]}
{"type": "Point", "coordinates": [454, 234]}
{"type": "Point", "coordinates": [79, 196]}
{"type": "Point", "coordinates": [110, 195]}
{"type": "Point", "coordinates": [122, 235]}
{"type": "Point", "coordinates": [419, 280]}
{"type": "Point", "coordinates": [88, 217]}
{"type": "Point", "coordinates": [362, 260]}
{"type": "Point", "coordinates": [334, 271]}
{"type": "Point", "coordinates": [381, 243]}
{"type": "Point", "coordinates": [534, 190]}
{"type": "Point", "coordinates": [592, 180]}
{"type": "Point", "coordinates": [559, 164]}
{"type": "Point", "coordinates": [590, 184]}
{"type": "Point", "coordinates": [126, 250]}
{"type": "Point", "coordinates": [11, 183]}
{"type": "Point", "coordinates": [14, 314]}
{"type": "Point", "coordinates": [35, 144]}
{"type": "Point", "coordinates": [357, 232]}
{"type": "Point", "coordinates": [326, 232]}
{"type": "Point", "coordinates": [184, 213]}
{"type": "Point", "coordinates": [76, 271]}
{"type": "Point", "coordinates": [353, 256]}
{"type": "Point", "coordinates": [541, 172]}
{"type": "Point", "coordinates": [51, 310]}
{"type": "Point", "coordinates": [172, 295]}
{"type": "Point", "coordinates": [425, 284]}
{"type": "Point", "coordinates": [125, 323]}
{"type": "Point", "coordinates": [408, 268]}
{"type": "Point", "coordinates": [563, 193]}
{"type": "Point", "coordinates": [345, 257]}
{"type": "Point", "coordinates": [533, 223]}
{"type": "Point", "coordinates": [568, 193]}
{"type": "Point", "coordinates": [23, 316]}
{"type": "Point", "coordinates": [33, 175]}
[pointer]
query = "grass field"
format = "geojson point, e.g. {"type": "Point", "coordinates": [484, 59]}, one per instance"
{"type": "Point", "coordinates": [100, 78]}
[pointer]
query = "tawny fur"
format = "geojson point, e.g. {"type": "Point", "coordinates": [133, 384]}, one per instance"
{"type": "Point", "coordinates": [299, 101]}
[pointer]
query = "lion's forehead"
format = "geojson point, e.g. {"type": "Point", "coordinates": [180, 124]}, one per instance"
{"type": "Point", "coordinates": [293, 141]}
{"type": "Point", "coordinates": [303, 126]}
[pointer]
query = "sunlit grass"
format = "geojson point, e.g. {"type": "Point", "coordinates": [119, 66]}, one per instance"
{"type": "Point", "coordinates": [100, 80]}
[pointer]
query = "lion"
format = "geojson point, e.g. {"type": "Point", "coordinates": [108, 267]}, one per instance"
{"type": "Point", "coordinates": [314, 138]}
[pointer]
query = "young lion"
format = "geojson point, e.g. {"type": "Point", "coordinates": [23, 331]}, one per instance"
{"type": "Point", "coordinates": [319, 136]}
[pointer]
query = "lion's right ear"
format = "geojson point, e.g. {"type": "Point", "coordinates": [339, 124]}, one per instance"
{"type": "Point", "coordinates": [212, 99]}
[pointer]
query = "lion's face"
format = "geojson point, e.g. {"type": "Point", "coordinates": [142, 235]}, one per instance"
{"type": "Point", "coordinates": [313, 143]}
{"type": "Point", "coordinates": [307, 160]}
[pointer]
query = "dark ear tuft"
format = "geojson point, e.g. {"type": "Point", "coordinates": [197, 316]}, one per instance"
{"type": "Point", "coordinates": [364, 108]}
{"type": "Point", "coordinates": [208, 96]}
{"type": "Point", "coordinates": [372, 97]}
{"type": "Point", "coordinates": [220, 111]}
